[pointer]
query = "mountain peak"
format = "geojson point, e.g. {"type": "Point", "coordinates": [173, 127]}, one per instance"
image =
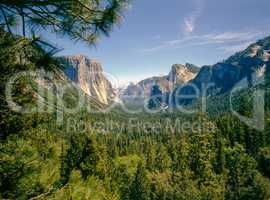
{"type": "Point", "coordinates": [77, 57]}
{"type": "Point", "coordinates": [82, 57]}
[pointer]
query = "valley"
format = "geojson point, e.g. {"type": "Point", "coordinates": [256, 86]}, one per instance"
{"type": "Point", "coordinates": [69, 132]}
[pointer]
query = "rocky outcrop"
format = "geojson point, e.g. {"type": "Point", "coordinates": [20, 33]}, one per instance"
{"type": "Point", "coordinates": [180, 74]}
{"type": "Point", "coordinates": [89, 76]}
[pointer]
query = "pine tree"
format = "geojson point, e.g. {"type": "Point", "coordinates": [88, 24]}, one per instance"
{"type": "Point", "coordinates": [264, 161]}
{"type": "Point", "coordinates": [90, 158]}
{"type": "Point", "coordinates": [220, 157]}
{"type": "Point", "coordinates": [81, 20]}
{"type": "Point", "coordinates": [163, 160]}
{"type": "Point", "coordinates": [139, 187]}
{"type": "Point", "coordinates": [82, 155]}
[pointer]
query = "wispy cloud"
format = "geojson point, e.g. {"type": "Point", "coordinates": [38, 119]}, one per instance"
{"type": "Point", "coordinates": [189, 25]}
{"type": "Point", "coordinates": [226, 41]}
{"type": "Point", "coordinates": [191, 19]}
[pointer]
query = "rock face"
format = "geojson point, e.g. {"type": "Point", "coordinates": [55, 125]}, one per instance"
{"type": "Point", "coordinates": [89, 76]}
{"type": "Point", "coordinates": [223, 76]}
{"type": "Point", "coordinates": [179, 74]}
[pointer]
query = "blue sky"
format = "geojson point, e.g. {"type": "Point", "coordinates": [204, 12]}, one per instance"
{"type": "Point", "coordinates": [155, 34]}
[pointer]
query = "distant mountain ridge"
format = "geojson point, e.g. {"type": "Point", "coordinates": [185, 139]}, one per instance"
{"type": "Point", "coordinates": [89, 76]}
{"type": "Point", "coordinates": [250, 63]}
{"type": "Point", "coordinates": [178, 75]}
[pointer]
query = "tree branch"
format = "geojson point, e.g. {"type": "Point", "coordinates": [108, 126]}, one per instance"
{"type": "Point", "coordinates": [23, 21]}
{"type": "Point", "coordinates": [6, 20]}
